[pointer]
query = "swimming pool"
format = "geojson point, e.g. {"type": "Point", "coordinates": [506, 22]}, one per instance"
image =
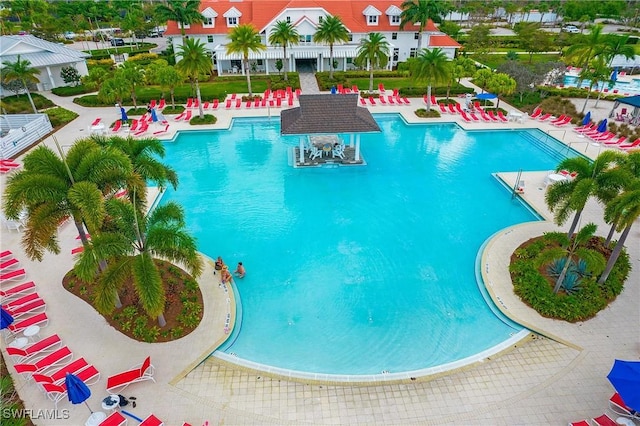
{"type": "Point", "coordinates": [356, 270]}
{"type": "Point", "coordinates": [622, 87]}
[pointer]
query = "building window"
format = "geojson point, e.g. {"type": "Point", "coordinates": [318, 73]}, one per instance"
{"type": "Point", "coordinates": [288, 19]}
{"type": "Point", "coordinates": [416, 36]}
{"type": "Point", "coordinates": [232, 21]}
{"type": "Point", "coordinates": [394, 36]}
{"type": "Point", "coordinates": [396, 55]}
{"type": "Point", "coordinates": [320, 19]}
{"type": "Point", "coordinates": [207, 22]}
{"type": "Point", "coordinates": [349, 60]}
{"type": "Point", "coordinates": [209, 39]}
{"type": "Point", "coordinates": [350, 37]}
{"type": "Point", "coordinates": [186, 26]}
{"type": "Point", "coordinates": [305, 39]}
{"type": "Point", "coordinates": [395, 19]}
{"type": "Point", "coordinates": [260, 62]}
{"type": "Point", "coordinates": [412, 52]}
{"type": "Point", "coordinates": [372, 19]}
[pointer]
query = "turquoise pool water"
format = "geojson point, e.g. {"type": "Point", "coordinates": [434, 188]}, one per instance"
{"type": "Point", "coordinates": [356, 270]}
{"type": "Point", "coordinates": [631, 87]}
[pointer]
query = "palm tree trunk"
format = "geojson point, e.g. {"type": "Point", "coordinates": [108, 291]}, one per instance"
{"type": "Point", "coordinates": [286, 63]}
{"type": "Point", "coordinates": [614, 255]}
{"type": "Point", "coordinates": [370, 77]}
{"type": "Point", "coordinates": [586, 100]}
{"type": "Point", "coordinates": [173, 100]}
{"type": "Point", "coordinates": [419, 41]}
{"type": "Point", "coordinates": [246, 70]}
{"type": "Point", "coordinates": [200, 110]}
{"type": "Point", "coordinates": [448, 89]}
{"type": "Point", "coordinates": [574, 224]}
{"type": "Point", "coordinates": [429, 98]}
{"type": "Point", "coordinates": [598, 99]}
{"type": "Point", "coordinates": [161, 321]}
{"type": "Point", "coordinates": [612, 230]}
{"type": "Point", "coordinates": [35, 110]}
{"type": "Point", "coordinates": [331, 61]}
{"type": "Point", "coordinates": [563, 274]}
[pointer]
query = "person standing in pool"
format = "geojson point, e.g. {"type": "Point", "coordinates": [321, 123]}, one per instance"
{"type": "Point", "coordinates": [218, 266]}
{"type": "Point", "coordinates": [239, 272]}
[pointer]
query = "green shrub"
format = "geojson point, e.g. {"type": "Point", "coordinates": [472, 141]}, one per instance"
{"type": "Point", "coordinates": [70, 90]}
{"type": "Point", "coordinates": [423, 113]}
{"type": "Point", "coordinates": [59, 116]}
{"type": "Point", "coordinates": [576, 303]}
{"type": "Point", "coordinates": [19, 104]}
{"type": "Point", "coordinates": [206, 119]}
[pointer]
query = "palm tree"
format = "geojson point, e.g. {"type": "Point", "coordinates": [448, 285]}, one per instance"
{"type": "Point", "coordinates": [170, 78]}
{"type": "Point", "coordinates": [284, 34]}
{"type": "Point", "coordinates": [587, 47]}
{"type": "Point", "coordinates": [193, 62]}
{"type": "Point", "coordinates": [617, 45]}
{"type": "Point", "coordinates": [184, 12]}
{"type": "Point", "coordinates": [595, 73]}
{"type": "Point", "coordinates": [571, 248]}
{"type": "Point", "coordinates": [431, 66]}
{"type": "Point", "coordinates": [144, 154]}
{"type": "Point", "coordinates": [52, 189]}
{"type": "Point", "coordinates": [626, 207]}
{"type": "Point", "coordinates": [245, 38]}
{"type": "Point", "coordinates": [419, 12]}
{"type": "Point", "coordinates": [114, 89]}
{"type": "Point", "coordinates": [568, 196]}
{"type": "Point", "coordinates": [331, 31]}
{"type": "Point", "coordinates": [133, 74]}
{"type": "Point", "coordinates": [22, 71]}
{"type": "Point", "coordinates": [131, 245]}
{"type": "Point", "coordinates": [373, 51]}
{"type": "Point", "coordinates": [502, 85]}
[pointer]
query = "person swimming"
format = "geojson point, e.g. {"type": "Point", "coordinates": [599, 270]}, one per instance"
{"type": "Point", "coordinates": [240, 271]}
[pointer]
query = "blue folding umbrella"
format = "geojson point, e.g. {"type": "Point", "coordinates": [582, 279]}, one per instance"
{"type": "Point", "coordinates": [625, 378]}
{"type": "Point", "coordinates": [602, 127]}
{"type": "Point", "coordinates": [587, 119]}
{"type": "Point", "coordinates": [123, 114]}
{"type": "Point", "coordinates": [154, 116]}
{"type": "Point", "coordinates": [486, 96]}
{"type": "Point", "coordinates": [77, 391]}
{"type": "Point", "coordinates": [614, 74]}
{"type": "Point", "coordinates": [5, 319]}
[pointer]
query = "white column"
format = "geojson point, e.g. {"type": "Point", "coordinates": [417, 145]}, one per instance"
{"type": "Point", "coordinates": [219, 67]}
{"type": "Point", "coordinates": [344, 63]}
{"type": "Point", "coordinates": [266, 65]}
{"type": "Point", "coordinates": [301, 149]}
{"type": "Point", "coordinates": [52, 82]}
{"type": "Point", "coordinates": [351, 140]}
{"type": "Point", "coordinates": [291, 62]}
{"type": "Point", "coordinates": [357, 157]}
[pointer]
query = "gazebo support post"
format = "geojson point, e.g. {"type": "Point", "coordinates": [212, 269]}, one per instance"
{"type": "Point", "coordinates": [357, 156]}
{"type": "Point", "coordinates": [351, 140]}
{"type": "Point", "coordinates": [301, 149]}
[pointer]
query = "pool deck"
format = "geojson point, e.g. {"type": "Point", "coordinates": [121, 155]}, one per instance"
{"type": "Point", "coordinates": [545, 380]}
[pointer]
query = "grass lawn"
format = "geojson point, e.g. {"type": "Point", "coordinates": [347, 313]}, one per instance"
{"type": "Point", "coordinates": [121, 49]}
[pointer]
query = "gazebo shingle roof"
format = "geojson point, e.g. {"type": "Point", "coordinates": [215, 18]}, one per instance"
{"type": "Point", "coordinates": [327, 114]}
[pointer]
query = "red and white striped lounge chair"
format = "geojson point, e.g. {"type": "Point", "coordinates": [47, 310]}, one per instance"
{"type": "Point", "coordinates": [159, 132]}
{"type": "Point", "coordinates": [391, 100]}
{"type": "Point", "coordinates": [562, 117]}
{"type": "Point", "coordinates": [227, 104]}
{"type": "Point", "coordinates": [238, 103]}
{"type": "Point", "coordinates": [58, 375]}
{"type": "Point", "coordinates": [502, 117]}
{"type": "Point", "coordinates": [433, 100]}
{"type": "Point", "coordinates": [443, 109]}
{"type": "Point", "coordinates": [545, 117]}
{"type": "Point", "coordinates": [115, 419]}
{"type": "Point", "coordinates": [618, 141]}
{"type": "Point", "coordinates": [406, 100]}
{"type": "Point", "coordinates": [381, 88]}
{"type": "Point", "coordinates": [96, 121]}
{"type": "Point", "coordinates": [54, 358]}
{"type": "Point", "coordinates": [215, 103]}
{"type": "Point", "coordinates": [12, 304]}
{"type": "Point", "coordinates": [152, 420]}
{"type": "Point", "coordinates": [152, 103]}
{"type": "Point", "coordinates": [452, 109]}
{"type": "Point", "coordinates": [536, 113]}
{"type": "Point", "coordinates": [474, 117]}
{"type": "Point", "coordinates": [9, 263]}
{"type": "Point", "coordinates": [35, 350]}
{"type": "Point", "coordinates": [580, 423]}
{"type": "Point", "coordinates": [161, 105]}
{"type": "Point", "coordinates": [117, 126]}
{"type": "Point", "coordinates": [632, 145]}
{"type": "Point", "coordinates": [618, 406]}
{"type": "Point", "coordinates": [12, 275]}
{"type": "Point", "coordinates": [604, 420]}
{"type": "Point", "coordinates": [355, 89]}
{"type": "Point", "coordinates": [136, 374]}
{"type": "Point", "coordinates": [372, 101]}
{"type": "Point", "coordinates": [6, 253]}
{"type": "Point", "coordinates": [34, 307]}
{"type": "Point", "coordinates": [181, 115]}
{"type": "Point", "coordinates": [465, 117]}
{"type": "Point", "coordinates": [362, 102]}
{"type": "Point", "coordinates": [492, 116]}
{"type": "Point", "coordinates": [189, 102]}
{"type": "Point", "coordinates": [38, 319]}
{"type": "Point", "coordinates": [485, 117]}
{"type": "Point", "coordinates": [17, 290]}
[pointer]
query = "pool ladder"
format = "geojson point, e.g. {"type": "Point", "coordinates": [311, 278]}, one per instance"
{"type": "Point", "coordinates": [519, 183]}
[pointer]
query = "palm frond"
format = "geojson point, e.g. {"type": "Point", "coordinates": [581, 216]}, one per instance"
{"type": "Point", "coordinates": [109, 281]}
{"type": "Point", "coordinates": [148, 283]}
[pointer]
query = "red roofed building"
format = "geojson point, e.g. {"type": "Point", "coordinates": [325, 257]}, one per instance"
{"type": "Point", "coordinates": [360, 17]}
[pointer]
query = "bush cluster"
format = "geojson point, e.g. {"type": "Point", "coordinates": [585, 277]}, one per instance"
{"type": "Point", "coordinates": [59, 116]}
{"type": "Point", "coordinates": [537, 291]}
{"type": "Point", "coordinates": [19, 104]}
{"type": "Point", "coordinates": [70, 90]}
{"type": "Point", "coordinates": [206, 119]}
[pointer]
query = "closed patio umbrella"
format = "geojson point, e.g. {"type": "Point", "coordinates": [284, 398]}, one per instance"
{"type": "Point", "coordinates": [625, 378]}
{"type": "Point", "coordinates": [123, 115]}
{"type": "Point", "coordinates": [154, 116]}
{"type": "Point", "coordinates": [602, 127]}
{"type": "Point", "coordinates": [587, 119]}
{"type": "Point", "coordinates": [5, 319]}
{"type": "Point", "coordinates": [77, 391]}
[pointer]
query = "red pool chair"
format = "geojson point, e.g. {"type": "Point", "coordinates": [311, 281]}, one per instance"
{"type": "Point", "coordinates": [136, 374]}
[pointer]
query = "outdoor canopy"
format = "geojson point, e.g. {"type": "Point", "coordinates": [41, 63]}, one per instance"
{"type": "Point", "coordinates": [634, 101]}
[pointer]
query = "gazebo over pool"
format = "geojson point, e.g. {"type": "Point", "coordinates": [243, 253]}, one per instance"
{"type": "Point", "coordinates": [320, 120]}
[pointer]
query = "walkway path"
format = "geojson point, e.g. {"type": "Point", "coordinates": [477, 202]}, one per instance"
{"type": "Point", "coordinates": [538, 382]}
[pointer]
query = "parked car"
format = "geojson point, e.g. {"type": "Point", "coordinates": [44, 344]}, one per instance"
{"type": "Point", "coordinates": [571, 29]}
{"type": "Point", "coordinates": [155, 33]}
{"type": "Point", "coordinates": [69, 35]}
{"type": "Point", "coordinates": [117, 42]}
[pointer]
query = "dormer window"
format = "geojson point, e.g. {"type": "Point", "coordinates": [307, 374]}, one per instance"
{"type": "Point", "coordinates": [207, 22]}
{"type": "Point", "coordinates": [232, 21]}
{"type": "Point", "coordinates": [371, 14]}
{"type": "Point", "coordinates": [233, 17]}
{"type": "Point", "coordinates": [186, 26]}
{"type": "Point", "coordinates": [372, 20]}
{"type": "Point", "coordinates": [208, 18]}
{"type": "Point", "coordinates": [393, 12]}
{"type": "Point", "coordinates": [395, 20]}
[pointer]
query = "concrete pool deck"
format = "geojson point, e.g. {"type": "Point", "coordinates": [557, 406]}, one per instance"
{"type": "Point", "coordinates": [540, 381]}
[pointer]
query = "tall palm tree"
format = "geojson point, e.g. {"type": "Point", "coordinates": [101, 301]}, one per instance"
{"type": "Point", "coordinates": [51, 190]}
{"type": "Point", "coordinates": [430, 66]}
{"type": "Point", "coordinates": [193, 62]}
{"type": "Point", "coordinates": [284, 34]}
{"type": "Point", "coordinates": [565, 197]}
{"type": "Point", "coordinates": [144, 154]}
{"type": "Point", "coordinates": [617, 45]}
{"type": "Point", "coordinates": [373, 51]}
{"type": "Point", "coordinates": [244, 39]}
{"type": "Point", "coordinates": [184, 12]}
{"type": "Point", "coordinates": [170, 78]}
{"type": "Point", "coordinates": [627, 208]}
{"type": "Point", "coordinates": [596, 72]}
{"type": "Point", "coordinates": [22, 71]}
{"type": "Point", "coordinates": [587, 47]}
{"type": "Point", "coordinates": [331, 31]}
{"type": "Point", "coordinates": [131, 246]}
{"type": "Point", "coordinates": [572, 249]}
{"type": "Point", "coordinates": [419, 12]}
{"type": "Point", "coordinates": [133, 74]}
